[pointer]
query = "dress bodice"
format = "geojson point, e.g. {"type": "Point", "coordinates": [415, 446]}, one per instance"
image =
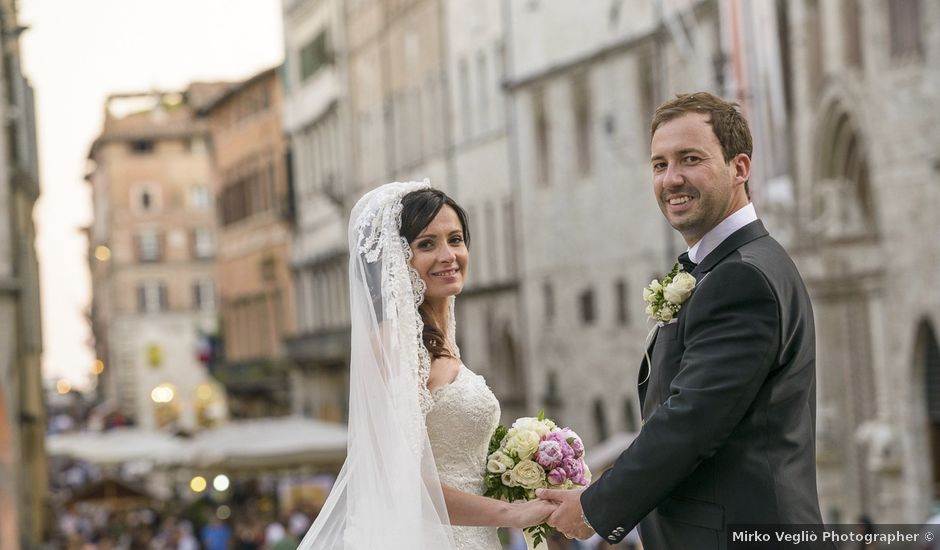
{"type": "Point", "coordinates": [460, 424]}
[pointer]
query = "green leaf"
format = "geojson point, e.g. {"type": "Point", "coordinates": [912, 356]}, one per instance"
{"type": "Point", "coordinates": [539, 533]}
{"type": "Point", "coordinates": [497, 439]}
{"type": "Point", "coordinates": [541, 415]}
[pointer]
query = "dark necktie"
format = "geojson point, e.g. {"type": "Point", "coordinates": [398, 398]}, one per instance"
{"type": "Point", "coordinates": [687, 264]}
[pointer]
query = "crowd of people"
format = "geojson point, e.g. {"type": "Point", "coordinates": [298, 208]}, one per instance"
{"type": "Point", "coordinates": [199, 527]}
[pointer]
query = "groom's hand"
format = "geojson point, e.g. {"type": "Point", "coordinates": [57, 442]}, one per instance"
{"type": "Point", "coordinates": [567, 517]}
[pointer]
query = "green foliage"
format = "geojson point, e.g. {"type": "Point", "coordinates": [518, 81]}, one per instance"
{"type": "Point", "coordinates": [539, 533]}
{"type": "Point", "coordinates": [497, 438]}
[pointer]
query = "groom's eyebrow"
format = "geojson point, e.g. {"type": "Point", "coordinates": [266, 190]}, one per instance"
{"type": "Point", "coordinates": [680, 153]}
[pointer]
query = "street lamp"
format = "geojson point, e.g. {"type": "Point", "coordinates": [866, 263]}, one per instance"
{"type": "Point", "coordinates": [220, 483]}
{"type": "Point", "coordinates": [102, 253]}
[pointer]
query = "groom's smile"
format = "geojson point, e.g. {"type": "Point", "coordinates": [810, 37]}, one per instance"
{"type": "Point", "coordinates": [694, 186]}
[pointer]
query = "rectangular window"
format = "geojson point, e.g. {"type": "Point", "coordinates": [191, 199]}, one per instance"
{"type": "Point", "coordinates": [235, 200]}
{"type": "Point", "coordinates": [581, 104]}
{"type": "Point", "coordinates": [142, 146]}
{"type": "Point", "coordinates": [548, 298]}
{"type": "Point", "coordinates": [904, 17]}
{"type": "Point", "coordinates": [199, 197]}
{"type": "Point", "coordinates": [466, 116]}
{"type": "Point", "coordinates": [492, 240]}
{"type": "Point", "coordinates": [852, 31]}
{"type": "Point", "coordinates": [314, 55]}
{"type": "Point", "coordinates": [588, 314]}
{"type": "Point", "coordinates": [623, 312]}
{"type": "Point", "coordinates": [646, 76]}
{"type": "Point", "coordinates": [509, 235]}
{"type": "Point", "coordinates": [203, 294]}
{"type": "Point", "coordinates": [203, 243]}
{"type": "Point", "coordinates": [483, 86]}
{"type": "Point", "coordinates": [152, 297]}
{"type": "Point", "coordinates": [542, 145]}
{"type": "Point", "coordinates": [148, 245]}
{"type": "Point", "coordinates": [814, 50]}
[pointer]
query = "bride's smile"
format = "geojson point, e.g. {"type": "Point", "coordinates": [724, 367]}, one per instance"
{"type": "Point", "coordinates": [440, 255]}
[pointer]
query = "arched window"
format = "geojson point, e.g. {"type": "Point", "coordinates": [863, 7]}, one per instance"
{"type": "Point", "coordinates": [927, 358]}
{"type": "Point", "coordinates": [843, 206]}
{"type": "Point", "coordinates": [600, 420]}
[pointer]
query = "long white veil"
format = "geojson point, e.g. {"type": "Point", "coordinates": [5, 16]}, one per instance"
{"type": "Point", "coordinates": [388, 493]}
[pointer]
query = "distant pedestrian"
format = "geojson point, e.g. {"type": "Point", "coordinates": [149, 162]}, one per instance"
{"type": "Point", "coordinates": [217, 535]}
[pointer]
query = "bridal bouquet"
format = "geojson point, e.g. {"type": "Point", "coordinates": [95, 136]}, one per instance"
{"type": "Point", "coordinates": [534, 453]}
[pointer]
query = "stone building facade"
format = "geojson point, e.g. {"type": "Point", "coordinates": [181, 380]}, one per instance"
{"type": "Point", "coordinates": [482, 180]}
{"type": "Point", "coordinates": [864, 81]}
{"type": "Point", "coordinates": [23, 469]}
{"type": "Point", "coordinates": [590, 232]}
{"type": "Point", "coordinates": [555, 173]}
{"type": "Point", "coordinates": [152, 248]}
{"type": "Point", "coordinates": [316, 119]}
{"type": "Point", "coordinates": [255, 290]}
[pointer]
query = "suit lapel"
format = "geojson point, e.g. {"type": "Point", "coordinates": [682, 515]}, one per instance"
{"type": "Point", "coordinates": [643, 378]}
{"type": "Point", "coordinates": [739, 238]}
{"type": "Point", "coordinates": [736, 240]}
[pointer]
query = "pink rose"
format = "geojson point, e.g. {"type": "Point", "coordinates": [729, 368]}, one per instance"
{"type": "Point", "coordinates": [557, 476]}
{"type": "Point", "coordinates": [575, 470]}
{"type": "Point", "coordinates": [575, 442]}
{"type": "Point", "coordinates": [560, 437]}
{"type": "Point", "coordinates": [549, 454]}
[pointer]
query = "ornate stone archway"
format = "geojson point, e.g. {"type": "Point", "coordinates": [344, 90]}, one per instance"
{"type": "Point", "coordinates": [927, 369]}
{"type": "Point", "coordinates": [842, 207]}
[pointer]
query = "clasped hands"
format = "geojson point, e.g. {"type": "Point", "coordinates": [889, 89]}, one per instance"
{"type": "Point", "coordinates": [567, 515]}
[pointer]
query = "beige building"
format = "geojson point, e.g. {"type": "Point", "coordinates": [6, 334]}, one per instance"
{"type": "Point", "coordinates": [316, 120]}
{"type": "Point", "coordinates": [152, 249]}
{"type": "Point", "coordinates": [256, 296]}
{"type": "Point", "coordinates": [23, 469]}
{"type": "Point", "coordinates": [864, 83]}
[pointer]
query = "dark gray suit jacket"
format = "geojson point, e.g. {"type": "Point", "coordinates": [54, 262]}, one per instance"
{"type": "Point", "coordinates": [729, 409]}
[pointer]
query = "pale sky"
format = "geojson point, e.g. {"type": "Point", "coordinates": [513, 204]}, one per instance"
{"type": "Point", "coordinates": [75, 54]}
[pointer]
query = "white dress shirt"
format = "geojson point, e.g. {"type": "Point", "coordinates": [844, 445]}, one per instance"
{"type": "Point", "coordinates": [710, 241]}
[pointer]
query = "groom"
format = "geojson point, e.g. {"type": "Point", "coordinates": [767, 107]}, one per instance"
{"type": "Point", "coordinates": [729, 398]}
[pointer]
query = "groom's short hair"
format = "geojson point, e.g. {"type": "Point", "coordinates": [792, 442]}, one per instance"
{"type": "Point", "coordinates": [725, 118]}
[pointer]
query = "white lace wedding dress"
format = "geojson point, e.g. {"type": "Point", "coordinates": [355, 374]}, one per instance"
{"type": "Point", "coordinates": [460, 424]}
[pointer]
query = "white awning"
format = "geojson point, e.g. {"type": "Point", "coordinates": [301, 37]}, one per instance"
{"type": "Point", "coordinates": [119, 446]}
{"type": "Point", "coordinates": [281, 442]}
{"type": "Point", "coordinates": [270, 442]}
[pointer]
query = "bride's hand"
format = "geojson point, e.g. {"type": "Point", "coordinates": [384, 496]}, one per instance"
{"type": "Point", "coordinates": [529, 513]}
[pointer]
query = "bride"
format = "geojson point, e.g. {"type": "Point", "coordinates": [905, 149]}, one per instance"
{"type": "Point", "coordinates": [419, 420]}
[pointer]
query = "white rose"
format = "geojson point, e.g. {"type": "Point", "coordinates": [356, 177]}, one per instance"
{"type": "Point", "coordinates": [528, 474]}
{"type": "Point", "coordinates": [530, 423]}
{"type": "Point", "coordinates": [498, 462]}
{"type": "Point", "coordinates": [650, 310]}
{"type": "Point", "coordinates": [648, 295]}
{"type": "Point", "coordinates": [507, 480]}
{"type": "Point", "coordinates": [522, 443]}
{"type": "Point", "coordinates": [656, 286]}
{"type": "Point", "coordinates": [680, 288]}
{"type": "Point", "coordinates": [523, 423]}
{"type": "Point", "coordinates": [665, 314]}
{"type": "Point", "coordinates": [495, 467]}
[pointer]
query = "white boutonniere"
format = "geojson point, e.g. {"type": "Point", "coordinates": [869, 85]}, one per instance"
{"type": "Point", "coordinates": [665, 298]}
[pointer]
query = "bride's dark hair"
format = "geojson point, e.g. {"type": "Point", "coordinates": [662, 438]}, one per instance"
{"type": "Point", "coordinates": [418, 209]}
